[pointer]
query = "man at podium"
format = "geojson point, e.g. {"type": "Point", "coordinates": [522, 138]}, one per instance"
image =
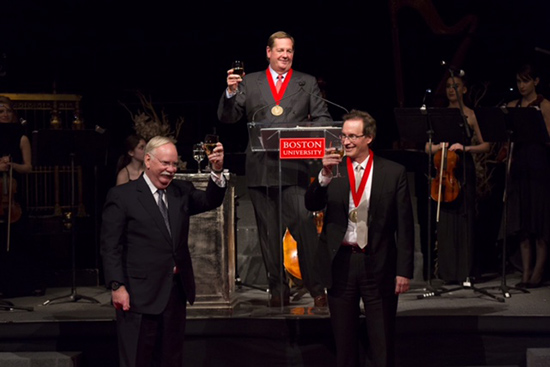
{"type": "Point", "coordinates": [278, 94]}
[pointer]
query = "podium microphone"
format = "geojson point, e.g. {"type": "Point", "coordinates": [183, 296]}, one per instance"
{"type": "Point", "coordinates": [453, 70]}
{"type": "Point", "coordinates": [302, 84]}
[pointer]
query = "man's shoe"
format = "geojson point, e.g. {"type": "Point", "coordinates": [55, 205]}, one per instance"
{"type": "Point", "coordinates": [320, 301]}
{"type": "Point", "coordinates": [276, 301]}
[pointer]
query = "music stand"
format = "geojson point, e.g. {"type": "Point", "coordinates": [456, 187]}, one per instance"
{"type": "Point", "coordinates": [448, 125]}
{"type": "Point", "coordinates": [71, 146]}
{"type": "Point", "coordinates": [510, 125]}
{"type": "Point", "coordinates": [8, 145]}
{"type": "Point", "coordinates": [413, 127]}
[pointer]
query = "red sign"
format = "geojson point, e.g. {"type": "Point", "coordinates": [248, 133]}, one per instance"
{"type": "Point", "coordinates": [301, 148]}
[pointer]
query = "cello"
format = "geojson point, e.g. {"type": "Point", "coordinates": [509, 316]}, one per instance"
{"type": "Point", "coordinates": [290, 249]}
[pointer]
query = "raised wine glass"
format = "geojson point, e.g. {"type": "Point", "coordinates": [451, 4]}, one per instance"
{"type": "Point", "coordinates": [198, 155]}
{"type": "Point", "coordinates": [238, 68]}
{"type": "Point", "coordinates": [210, 141]}
{"type": "Point", "coordinates": [337, 148]}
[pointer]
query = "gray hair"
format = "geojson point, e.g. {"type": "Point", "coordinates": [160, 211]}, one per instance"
{"type": "Point", "coordinates": [158, 141]}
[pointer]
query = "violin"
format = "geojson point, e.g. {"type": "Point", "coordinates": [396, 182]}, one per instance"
{"type": "Point", "coordinates": [445, 186]}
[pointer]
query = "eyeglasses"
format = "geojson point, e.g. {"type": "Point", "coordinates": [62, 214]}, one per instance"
{"type": "Point", "coordinates": [165, 163]}
{"type": "Point", "coordinates": [352, 137]}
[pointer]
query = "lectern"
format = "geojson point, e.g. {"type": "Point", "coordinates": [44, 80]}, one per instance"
{"type": "Point", "coordinates": [293, 142]}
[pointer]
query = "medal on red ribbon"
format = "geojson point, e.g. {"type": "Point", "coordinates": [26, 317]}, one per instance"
{"type": "Point", "coordinates": [277, 110]}
{"type": "Point", "coordinates": [356, 194]}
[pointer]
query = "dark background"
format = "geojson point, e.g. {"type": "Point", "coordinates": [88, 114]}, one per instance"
{"type": "Point", "coordinates": [177, 53]}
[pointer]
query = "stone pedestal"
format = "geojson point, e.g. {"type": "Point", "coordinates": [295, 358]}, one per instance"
{"type": "Point", "coordinates": [212, 246]}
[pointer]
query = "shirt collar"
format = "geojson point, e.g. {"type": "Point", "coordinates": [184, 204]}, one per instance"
{"type": "Point", "coordinates": [274, 74]}
{"type": "Point", "coordinates": [362, 164]}
{"type": "Point", "coordinates": [152, 187]}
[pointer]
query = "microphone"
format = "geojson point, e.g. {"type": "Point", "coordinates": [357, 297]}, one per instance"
{"type": "Point", "coordinates": [303, 83]}
{"type": "Point", "coordinates": [453, 69]}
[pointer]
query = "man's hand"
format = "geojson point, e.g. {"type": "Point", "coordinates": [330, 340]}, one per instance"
{"type": "Point", "coordinates": [121, 299]}
{"type": "Point", "coordinates": [216, 157]}
{"type": "Point", "coordinates": [402, 284]}
{"type": "Point", "coordinates": [233, 81]}
{"type": "Point", "coordinates": [330, 160]}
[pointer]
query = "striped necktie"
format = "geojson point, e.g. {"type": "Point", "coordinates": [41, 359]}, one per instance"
{"type": "Point", "coordinates": [164, 210]}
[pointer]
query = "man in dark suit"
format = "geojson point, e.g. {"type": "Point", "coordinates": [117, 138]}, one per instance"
{"type": "Point", "coordinates": [366, 246]}
{"type": "Point", "coordinates": [146, 258]}
{"type": "Point", "coordinates": [278, 94]}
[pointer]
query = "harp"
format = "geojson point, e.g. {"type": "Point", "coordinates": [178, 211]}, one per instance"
{"type": "Point", "coordinates": [465, 27]}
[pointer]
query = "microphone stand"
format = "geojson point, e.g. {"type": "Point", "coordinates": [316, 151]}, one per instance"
{"type": "Point", "coordinates": [468, 283]}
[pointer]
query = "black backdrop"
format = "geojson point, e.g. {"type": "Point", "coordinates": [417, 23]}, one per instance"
{"type": "Point", "coordinates": [178, 52]}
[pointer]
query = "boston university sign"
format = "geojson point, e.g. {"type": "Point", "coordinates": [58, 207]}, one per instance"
{"type": "Point", "coordinates": [301, 148]}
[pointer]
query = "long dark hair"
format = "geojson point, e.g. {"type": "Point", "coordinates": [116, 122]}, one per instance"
{"type": "Point", "coordinates": [130, 143]}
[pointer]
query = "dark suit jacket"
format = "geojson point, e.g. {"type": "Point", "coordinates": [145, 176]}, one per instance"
{"type": "Point", "coordinates": [136, 247]}
{"type": "Point", "coordinates": [390, 222]}
{"type": "Point", "coordinates": [254, 101]}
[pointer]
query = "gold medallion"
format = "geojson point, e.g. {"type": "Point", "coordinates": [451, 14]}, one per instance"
{"type": "Point", "coordinates": [277, 110]}
{"type": "Point", "coordinates": [353, 215]}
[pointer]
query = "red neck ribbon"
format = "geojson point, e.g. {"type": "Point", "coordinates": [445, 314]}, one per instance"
{"type": "Point", "coordinates": [278, 96]}
{"type": "Point", "coordinates": [357, 194]}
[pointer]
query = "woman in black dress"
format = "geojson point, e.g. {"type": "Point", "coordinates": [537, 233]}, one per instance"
{"type": "Point", "coordinates": [455, 229]}
{"type": "Point", "coordinates": [529, 196]}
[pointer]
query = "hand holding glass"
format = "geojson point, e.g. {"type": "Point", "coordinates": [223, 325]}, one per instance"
{"type": "Point", "coordinates": [210, 142]}
{"type": "Point", "coordinates": [337, 148]}
{"type": "Point", "coordinates": [238, 67]}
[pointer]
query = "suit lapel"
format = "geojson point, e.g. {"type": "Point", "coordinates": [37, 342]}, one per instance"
{"type": "Point", "coordinates": [174, 202]}
{"type": "Point", "coordinates": [147, 199]}
{"type": "Point", "coordinates": [345, 188]}
{"type": "Point", "coordinates": [378, 178]}
{"type": "Point", "coordinates": [263, 86]}
{"type": "Point", "coordinates": [292, 88]}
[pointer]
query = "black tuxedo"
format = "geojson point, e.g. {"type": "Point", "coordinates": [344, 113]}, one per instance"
{"type": "Point", "coordinates": [254, 102]}
{"type": "Point", "coordinates": [139, 252]}
{"type": "Point", "coordinates": [389, 252]}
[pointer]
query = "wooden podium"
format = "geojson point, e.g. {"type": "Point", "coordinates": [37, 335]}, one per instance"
{"type": "Point", "coordinates": [212, 247]}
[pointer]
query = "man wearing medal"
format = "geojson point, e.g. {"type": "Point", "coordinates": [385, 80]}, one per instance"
{"type": "Point", "coordinates": [278, 94]}
{"type": "Point", "coordinates": [367, 243]}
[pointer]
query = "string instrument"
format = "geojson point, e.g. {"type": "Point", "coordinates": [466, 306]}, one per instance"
{"type": "Point", "coordinates": [10, 209]}
{"type": "Point", "coordinates": [445, 186]}
{"type": "Point", "coordinates": [290, 248]}
{"type": "Point", "coordinates": [463, 30]}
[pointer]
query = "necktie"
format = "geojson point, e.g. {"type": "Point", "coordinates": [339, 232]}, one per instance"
{"type": "Point", "coordinates": [358, 176]}
{"type": "Point", "coordinates": [362, 211]}
{"type": "Point", "coordinates": [279, 82]}
{"type": "Point", "coordinates": [164, 210]}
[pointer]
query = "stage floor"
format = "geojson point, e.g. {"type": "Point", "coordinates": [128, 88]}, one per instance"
{"type": "Point", "coordinates": [459, 328]}
{"type": "Point", "coordinates": [249, 302]}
